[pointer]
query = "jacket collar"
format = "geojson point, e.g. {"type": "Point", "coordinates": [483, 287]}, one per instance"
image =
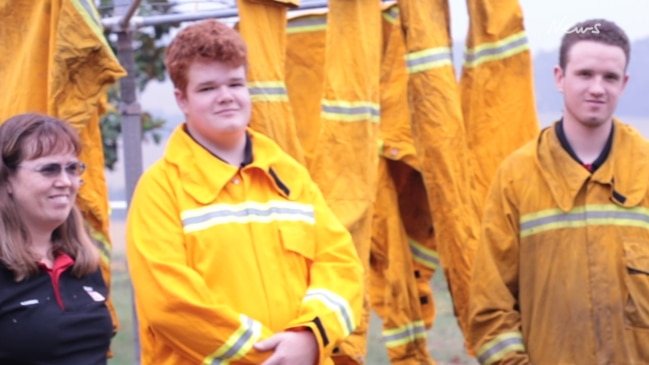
{"type": "Point", "coordinates": [204, 175]}
{"type": "Point", "coordinates": [626, 170]}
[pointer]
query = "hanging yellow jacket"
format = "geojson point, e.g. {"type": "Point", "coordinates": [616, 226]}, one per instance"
{"type": "Point", "coordinates": [56, 61]}
{"type": "Point", "coordinates": [562, 272]}
{"type": "Point", "coordinates": [222, 257]}
{"type": "Point", "coordinates": [440, 141]}
{"type": "Point", "coordinates": [344, 158]}
{"type": "Point", "coordinates": [497, 88]}
{"type": "Point", "coordinates": [402, 261]}
{"type": "Point", "coordinates": [305, 54]}
{"type": "Point", "coordinates": [271, 110]}
{"type": "Point", "coordinates": [422, 245]}
{"type": "Point", "coordinates": [399, 279]}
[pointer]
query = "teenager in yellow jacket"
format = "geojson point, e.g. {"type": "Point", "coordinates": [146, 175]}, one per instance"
{"type": "Point", "coordinates": [234, 256]}
{"type": "Point", "coordinates": [562, 271]}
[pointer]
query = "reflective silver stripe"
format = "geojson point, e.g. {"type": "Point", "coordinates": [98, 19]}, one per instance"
{"type": "Point", "coordinates": [496, 50]}
{"type": "Point", "coordinates": [103, 243]}
{"type": "Point", "coordinates": [425, 256]}
{"type": "Point", "coordinates": [589, 215]}
{"type": "Point", "coordinates": [335, 303]}
{"type": "Point", "coordinates": [428, 59]}
{"type": "Point", "coordinates": [267, 91]}
{"type": "Point", "coordinates": [404, 334]}
{"type": "Point", "coordinates": [303, 25]}
{"type": "Point", "coordinates": [246, 212]}
{"type": "Point", "coordinates": [392, 14]}
{"type": "Point", "coordinates": [500, 346]}
{"type": "Point", "coordinates": [88, 12]}
{"type": "Point", "coordinates": [92, 12]}
{"type": "Point", "coordinates": [238, 344]}
{"type": "Point", "coordinates": [350, 111]}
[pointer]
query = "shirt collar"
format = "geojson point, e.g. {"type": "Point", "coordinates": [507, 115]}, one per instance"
{"type": "Point", "coordinates": [599, 161]}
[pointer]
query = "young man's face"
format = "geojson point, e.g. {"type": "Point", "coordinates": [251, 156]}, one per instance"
{"type": "Point", "coordinates": [592, 82]}
{"type": "Point", "coordinates": [216, 102]}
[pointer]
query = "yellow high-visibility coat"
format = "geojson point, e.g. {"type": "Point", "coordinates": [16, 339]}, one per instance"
{"type": "Point", "coordinates": [497, 88]}
{"type": "Point", "coordinates": [305, 52]}
{"type": "Point", "coordinates": [340, 132]}
{"type": "Point", "coordinates": [222, 257]}
{"type": "Point", "coordinates": [271, 110]}
{"type": "Point", "coordinates": [562, 271]}
{"type": "Point", "coordinates": [440, 141]}
{"type": "Point", "coordinates": [402, 256]}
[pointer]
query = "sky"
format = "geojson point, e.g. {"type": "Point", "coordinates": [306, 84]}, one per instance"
{"type": "Point", "coordinates": [546, 20]}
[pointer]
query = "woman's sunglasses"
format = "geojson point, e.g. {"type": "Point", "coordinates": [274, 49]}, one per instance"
{"type": "Point", "coordinates": [73, 169]}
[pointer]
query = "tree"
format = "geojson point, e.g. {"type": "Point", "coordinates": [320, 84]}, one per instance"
{"type": "Point", "coordinates": [149, 48]}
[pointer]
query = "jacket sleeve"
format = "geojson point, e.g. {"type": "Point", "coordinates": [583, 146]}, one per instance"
{"type": "Point", "coordinates": [174, 299]}
{"type": "Point", "coordinates": [332, 305]}
{"type": "Point", "coordinates": [494, 319]}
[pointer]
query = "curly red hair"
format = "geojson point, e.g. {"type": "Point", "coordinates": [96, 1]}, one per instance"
{"type": "Point", "coordinates": [207, 40]}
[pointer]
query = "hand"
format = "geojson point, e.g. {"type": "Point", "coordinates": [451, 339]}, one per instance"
{"type": "Point", "coordinates": [290, 348]}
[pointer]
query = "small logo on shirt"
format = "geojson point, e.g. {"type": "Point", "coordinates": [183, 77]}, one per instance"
{"type": "Point", "coordinates": [27, 303]}
{"type": "Point", "coordinates": [96, 296]}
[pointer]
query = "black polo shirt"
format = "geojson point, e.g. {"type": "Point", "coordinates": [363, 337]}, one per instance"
{"type": "Point", "coordinates": [39, 326]}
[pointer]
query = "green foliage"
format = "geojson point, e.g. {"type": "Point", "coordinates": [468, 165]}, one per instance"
{"type": "Point", "coordinates": [149, 45]}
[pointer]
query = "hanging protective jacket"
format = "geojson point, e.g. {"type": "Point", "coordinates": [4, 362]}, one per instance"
{"type": "Point", "coordinates": [306, 39]}
{"type": "Point", "coordinates": [403, 258]}
{"type": "Point", "coordinates": [344, 161]}
{"type": "Point", "coordinates": [271, 110]}
{"type": "Point", "coordinates": [497, 88]}
{"type": "Point", "coordinates": [440, 140]}
{"type": "Point", "coordinates": [222, 257]}
{"type": "Point", "coordinates": [562, 271]}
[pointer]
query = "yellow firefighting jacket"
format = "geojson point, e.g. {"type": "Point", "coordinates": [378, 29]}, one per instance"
{"type": "Point", "coordinates": [440, 141]}
{"type": "Point", "coordinates": [562, 271]}
{"type": "Point", "coordinates": [403, 258]}
{"type": "Point", "coordinates": [222, 257]}
{"type": "Point", "coordinates": [271, 111]}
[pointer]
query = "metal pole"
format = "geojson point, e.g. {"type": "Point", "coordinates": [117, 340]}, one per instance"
{"type": "Point", "coordinates": [131, 123]}
{"type": "Point", "coordinates": [123, 23]}
{"type": "Point", "coordinates": [129, 107]}
{"type": "Point", "coordinates": [115, 22]}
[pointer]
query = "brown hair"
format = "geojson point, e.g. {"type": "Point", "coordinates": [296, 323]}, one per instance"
{"type": "Point", "coordinates": [207, 40]}
{"type": "Point", "coordinates": [595, 30]}
{"type": "Point", "coordinates": [29, 136]}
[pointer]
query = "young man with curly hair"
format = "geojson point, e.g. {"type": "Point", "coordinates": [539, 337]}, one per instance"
{"type": "Point", "coordinates": [234, 256]}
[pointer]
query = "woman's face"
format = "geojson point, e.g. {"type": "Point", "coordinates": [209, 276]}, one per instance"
{"type": "Point", "coordinates": [45, 189]}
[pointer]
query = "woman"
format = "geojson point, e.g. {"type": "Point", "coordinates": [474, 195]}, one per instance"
{"type": "Point", "coordinates": [52, 294]}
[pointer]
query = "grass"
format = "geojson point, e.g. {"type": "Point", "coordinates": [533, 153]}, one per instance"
{"type": "Point", "coordinates": [445, 342]}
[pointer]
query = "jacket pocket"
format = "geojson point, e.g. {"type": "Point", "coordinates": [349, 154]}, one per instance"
{"type": "Point", "coordinates": [298, 240]}
{"type": "Point", "coordinates": [299, 248]}
{"type": "Point", "coordinates": [637, 279]}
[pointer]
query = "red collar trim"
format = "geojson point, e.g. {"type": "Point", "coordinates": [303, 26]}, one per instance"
{"type": "Point", "coordinates": [61, 263]}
